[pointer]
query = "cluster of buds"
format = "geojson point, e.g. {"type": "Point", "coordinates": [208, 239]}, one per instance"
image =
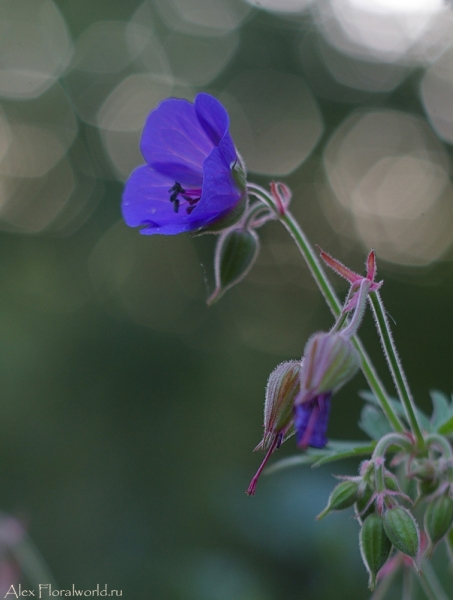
{"type": "Point", "coordinates": [384, 514]}
{"type": "Point", "coordinates": [299, 394]}
{"type": "Point", "coordinates": [385, 524]}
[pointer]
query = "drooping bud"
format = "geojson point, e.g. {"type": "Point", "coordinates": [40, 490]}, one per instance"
{"type": "Point", "coordinates": [343, 496]}
{"type": "Point", "coordinates": [402, 530]}
{"type": "Point", "coordinates": [282, 388]}
{"type": "Point", "coordinates": [375, 546]}
{"type": "Point", "coordinates": [329, 361]}
{"type": "Point", "coordinates": [236, 252]}
{"type": "Point", "coordinates": [438, 519]}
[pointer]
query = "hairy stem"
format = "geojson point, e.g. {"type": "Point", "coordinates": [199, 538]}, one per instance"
{"type": "Point", "coordinates": [313, 263]}
{"type": "Point", "coordinates": [335, 306]}
{"type": "Point", "coordinates": [395, 366]}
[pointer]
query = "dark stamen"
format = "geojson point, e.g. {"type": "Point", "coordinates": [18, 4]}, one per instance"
{"type": "Point", "coordinates": [177, 190]}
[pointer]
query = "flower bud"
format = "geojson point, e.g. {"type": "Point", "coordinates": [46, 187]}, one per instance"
{"type": "Point", "coordinates": [236, 252]}
{"type": "Point", "coordinates": [402, 530]}
{"type": "Point", "coordinates": [375, 546]}
{"type": "Point", "coordinates": [330, 360]}
{"type": "Point", "coordinates": [282, 387]}
{"type": "Point", "coordinates": [438, 519]}
{"type": "Point", "coordinates": [343, 496]}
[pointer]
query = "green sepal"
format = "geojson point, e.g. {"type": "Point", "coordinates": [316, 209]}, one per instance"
{"type": "Point", "coordinates": [236, 252]}
{"type": "Point", "coordinates": [402, 530]}
{"type": "Point", "coordinates": [343, 496]}
{"type": "Point", "coordinates": [225, 222]}
{"type": "Point", "coordinates": [438, 519]}
{"type": "Point", "coordinates": [375, 546]}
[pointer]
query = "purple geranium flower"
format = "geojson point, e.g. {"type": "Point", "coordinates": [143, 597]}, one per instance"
{"type": "Point", "coordinates": [193, 178]}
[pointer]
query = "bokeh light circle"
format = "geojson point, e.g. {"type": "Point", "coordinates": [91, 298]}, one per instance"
{"type": "Point", "coordinates": [275, 120]}
{"type": "Point", "coordinates": [392, 175]}
{"type": "Point", "coordinates": [35, 47]}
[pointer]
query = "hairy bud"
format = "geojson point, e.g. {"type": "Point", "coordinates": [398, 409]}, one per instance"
{"type": "Point", "coordinates": [402, 530]}
{"type": "Point", "coordinates": [282, 387]}
{"type": "Point", "coordinates": [236, 252]}
{"type": "Point", "coordinates": [438, 519]}
{"type": "Point", "coordinates": [375, 546]}
{"type": "Point", "coordinates": [343, 496]}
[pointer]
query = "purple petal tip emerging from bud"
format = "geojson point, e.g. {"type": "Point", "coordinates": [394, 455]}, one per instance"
{"type": "Point", "coordinates": [310, 421]}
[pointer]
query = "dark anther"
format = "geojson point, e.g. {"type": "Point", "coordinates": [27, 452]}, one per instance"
{"type": "Point", "coordinates": [279, 440]}
{"type": "Point", "coordinates": [175, 190]}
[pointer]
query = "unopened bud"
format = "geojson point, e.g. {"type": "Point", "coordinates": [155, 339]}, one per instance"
{"type": "Point", "coordinates": [330, 360]}
{"type": "Point", "coordinates": [282, 387]}
{"type": "Point", "coordinates": [343, 496]}
{"type": "Point", "coordinates": [236, 252]}
{"type": "Point", "coordinates": [438, 519]}
{"type": "Point", "coordinates": [402, 530]}
{"type": "Point", "coordinates": [375, 546]}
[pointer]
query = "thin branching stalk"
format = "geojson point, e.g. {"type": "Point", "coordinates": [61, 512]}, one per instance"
{"type": "Point", "coordinates": [313, 263]}
{"type": "Point", "coordinates": [395, 365]}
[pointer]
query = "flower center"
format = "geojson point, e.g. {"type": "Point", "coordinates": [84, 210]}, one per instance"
{"type": "Point", "coordinates": [187, 198]}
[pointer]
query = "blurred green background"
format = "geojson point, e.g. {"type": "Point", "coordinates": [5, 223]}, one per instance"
{"type": "Point", "coordinates": [129, 410]}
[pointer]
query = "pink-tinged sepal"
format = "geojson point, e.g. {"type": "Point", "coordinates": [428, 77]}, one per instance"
{"type": "Point", "coordinates": [339, 267]}
{"type": "Point", "coordinates": [354, 278]}
{"type": "Point", "coordinates": [281, 195]}
{"type": "Point", "coordinates": [282, 388]}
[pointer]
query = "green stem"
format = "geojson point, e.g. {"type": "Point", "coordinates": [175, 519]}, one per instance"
{"type": "Point", "coordinates": [335, 306]}
{"type": "Point", "coordinates": [391, 439]}
{"type": "Point", "coordinates": [395, 366]}
{"type": "Point", "coordinates": [431, 584]}
{"type": "Point", "coordinates": [441, 442]}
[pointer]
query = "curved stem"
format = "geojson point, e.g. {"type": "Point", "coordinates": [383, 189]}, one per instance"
{"type": "Point", "coordinates": [395, 366]}
{"type": "Point", "coordinates": [330, 297]}
{"type": "Point", "coordinates": [441, 442]}
{"type": "Point", "coordinates": [391, 439]}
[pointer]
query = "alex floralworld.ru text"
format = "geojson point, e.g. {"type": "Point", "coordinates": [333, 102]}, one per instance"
{"type": "Point", "coordinates": [45, 591]}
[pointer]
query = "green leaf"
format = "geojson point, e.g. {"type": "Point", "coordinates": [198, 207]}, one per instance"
{"type": "Point", "coordinates": [399, 409]}
{"type": "Point", "coordinates": [340, 450]}
{"type": "Point", "coordinates": [442, 410]}
{"type": "Point", "coordinates": [446, 428]}
{"type": "Point", "coordinates": [335, 450]}
{"type": "Point", "coordinates": [371, 398]}
{"type": "Point", "coordinates": [373, 422]}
